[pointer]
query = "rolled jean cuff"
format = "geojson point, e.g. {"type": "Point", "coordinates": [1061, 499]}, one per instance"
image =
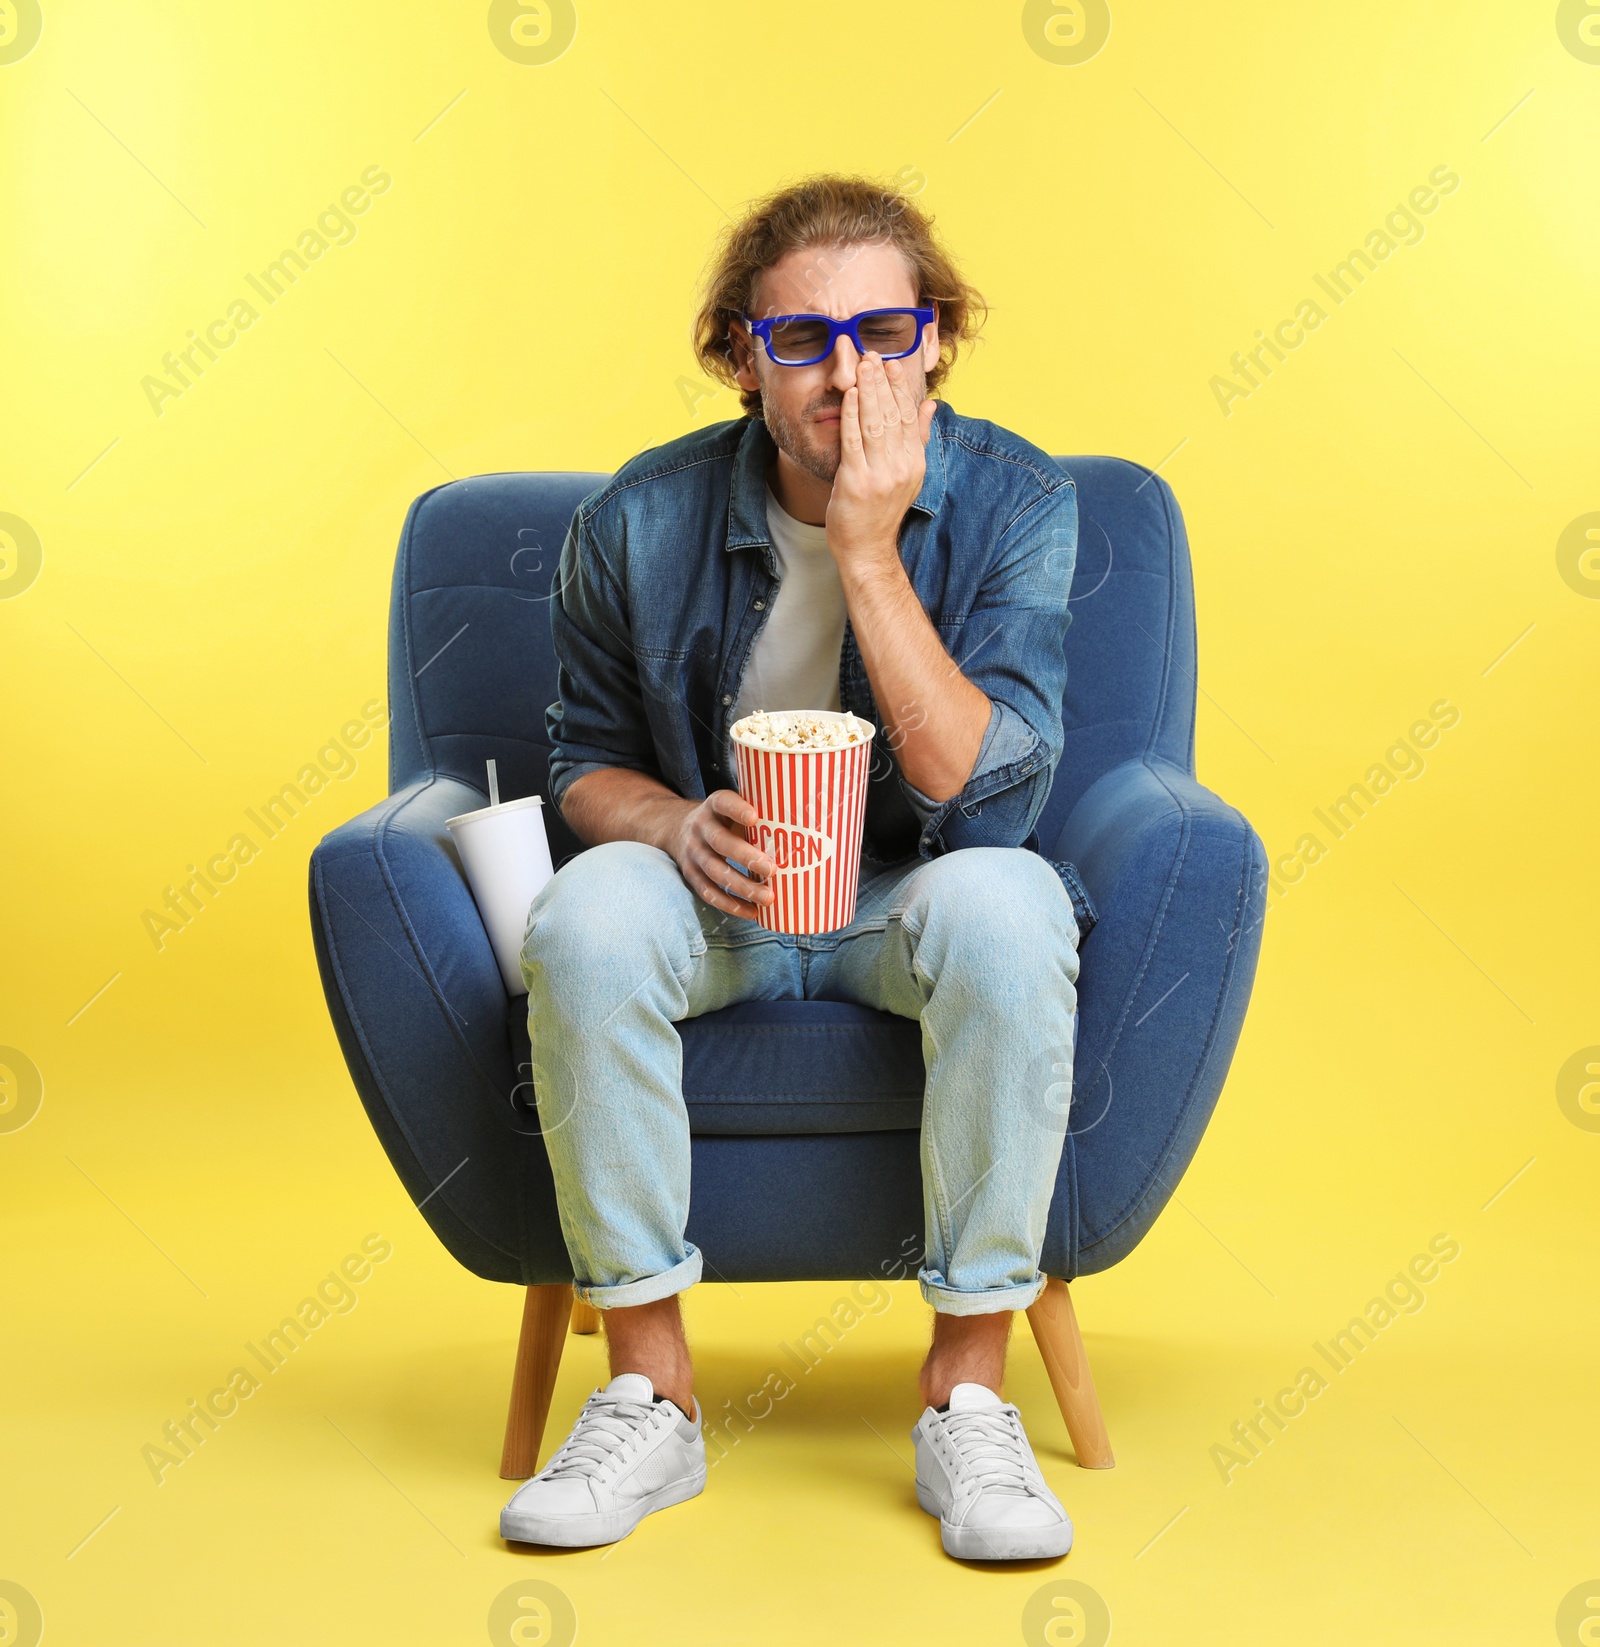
{"type": "Point", "coordinates": [646, 1291]}
{"type": "Point", "coordinates": [949, 1300]}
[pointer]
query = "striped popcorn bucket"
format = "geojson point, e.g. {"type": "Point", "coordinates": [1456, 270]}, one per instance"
{"type": "Point", "coordinates": [812, 805]}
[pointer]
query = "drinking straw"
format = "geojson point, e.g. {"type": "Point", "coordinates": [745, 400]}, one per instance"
{"type": "Point", "coordinates": [494, 786]}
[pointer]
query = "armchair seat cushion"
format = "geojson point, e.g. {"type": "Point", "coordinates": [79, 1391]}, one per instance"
{"type": "Point", "coordinates": [767, 1067]}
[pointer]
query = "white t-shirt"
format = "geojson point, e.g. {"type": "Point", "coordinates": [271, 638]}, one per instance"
{"type": "Point", "coordinates": [794, 663]}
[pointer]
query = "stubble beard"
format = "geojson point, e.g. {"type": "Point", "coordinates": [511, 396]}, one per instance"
{"type": "Point", "coordinates": [798, 440]}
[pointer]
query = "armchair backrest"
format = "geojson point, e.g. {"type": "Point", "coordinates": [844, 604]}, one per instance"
{"type": "Point", "coordinates": [471, 668]}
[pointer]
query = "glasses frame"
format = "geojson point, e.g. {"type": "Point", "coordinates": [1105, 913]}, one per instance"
{"type": "Point", "coordinates": [839, 328]}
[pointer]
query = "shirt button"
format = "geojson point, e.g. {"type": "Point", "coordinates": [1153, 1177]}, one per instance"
{"type": "Point", "coordinates": [727, 697]}
{"type": "Point", "coordinates": [761, 605]}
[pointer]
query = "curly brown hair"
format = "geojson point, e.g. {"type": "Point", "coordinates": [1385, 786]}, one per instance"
{"type": "Point", "coordinates": [829, 212]}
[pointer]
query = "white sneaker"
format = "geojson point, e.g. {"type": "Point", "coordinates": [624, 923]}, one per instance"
{"type": "Point", "coordinates": [977, 1473]}
{"type": "Point", "coordinates": [628, 1454]}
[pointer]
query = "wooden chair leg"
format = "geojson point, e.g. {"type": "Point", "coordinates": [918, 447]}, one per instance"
{"type": "Point", "coordinates": [544, 1329]}
{"type": "Point", "coordinates": [1055, 1330]}
{"type": "Point", "coordinates": [585, 1317]}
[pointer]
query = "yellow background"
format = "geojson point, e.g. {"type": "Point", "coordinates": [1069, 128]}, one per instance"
{"type": "Point", "coordinates": [1371, 529]}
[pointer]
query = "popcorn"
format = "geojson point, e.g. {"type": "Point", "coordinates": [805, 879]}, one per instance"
{"type": "Point", "coordinates": [798, 729]}
{"type": "Point", "coordinates": [810, 814]}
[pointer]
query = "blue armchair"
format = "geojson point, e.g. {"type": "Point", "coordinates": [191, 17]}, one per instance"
{"type": "Point", "coordinates": [805, 1164]}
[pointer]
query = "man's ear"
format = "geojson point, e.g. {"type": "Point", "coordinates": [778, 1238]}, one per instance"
{"type": "Point", "coordinates": [739, 350]}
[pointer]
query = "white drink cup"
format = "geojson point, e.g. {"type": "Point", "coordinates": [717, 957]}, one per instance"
{"type": "Point", "coordinates": [506, 855]}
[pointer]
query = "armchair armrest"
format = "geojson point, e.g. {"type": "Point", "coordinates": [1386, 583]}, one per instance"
{"type": "Point", "coordinates": [420, 1011]}
{"type": "Point", "coordinates": [1179, 880]}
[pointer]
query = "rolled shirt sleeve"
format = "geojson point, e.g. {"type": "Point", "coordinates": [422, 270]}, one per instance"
{"type": "Point", "coordinates": [599, 719]}
{"type": "Point", "coordinates": [1013, 649]}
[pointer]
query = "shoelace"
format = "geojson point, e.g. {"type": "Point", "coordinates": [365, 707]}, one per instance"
{"type": "Point", "coordinates": [988, 1444]}
{"type": "Point", "coordinates": [604, 1428]}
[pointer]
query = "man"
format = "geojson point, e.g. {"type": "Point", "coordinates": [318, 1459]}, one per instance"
{"type": "Point", "coordinates": [849, 543]}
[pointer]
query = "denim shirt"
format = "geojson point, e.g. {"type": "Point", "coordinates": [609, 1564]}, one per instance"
{"type": "Point", "coordinates": [668, 573]}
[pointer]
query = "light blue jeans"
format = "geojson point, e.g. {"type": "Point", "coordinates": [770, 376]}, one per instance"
{"type": "Point", "coordinates": [980, 945]}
